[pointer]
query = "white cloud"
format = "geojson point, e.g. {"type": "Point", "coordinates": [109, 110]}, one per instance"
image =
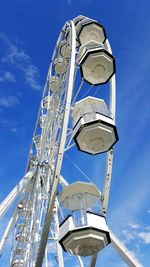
{"type": "Point", "coordinates": [147, 228]}
{"type": "Point", "coordinates": [7, 76]}
{"type": "Point", "coordinates": [128, 236]}
{"type": "Point", "coordinates": [31, 74]}
{"type": "Point", "coordinates": [13, 126]}
{"type": "Point", "coordinates": [20, 60]}
{"type": "Point", "coordinates": [134, 225]}
{"type": "Point", "coordinates": [145, 236]}
{"type": "Point", "coordinates": [7, 123]}
{"type": "Point", "coordinates": [9, 101]}
{"type": "Point", "coordinates": [136, 235]}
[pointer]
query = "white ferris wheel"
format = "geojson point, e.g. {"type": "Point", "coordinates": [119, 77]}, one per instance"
{"type": "Point", "coordinates": [54, 218]}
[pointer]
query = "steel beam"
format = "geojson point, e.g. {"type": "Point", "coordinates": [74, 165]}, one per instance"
{"type": "Point", "coordinates": [124, 252]}
{"type": "Point", "coordinates": [17, 189]}
{"type": "Point", "coordinates": [46, 227]}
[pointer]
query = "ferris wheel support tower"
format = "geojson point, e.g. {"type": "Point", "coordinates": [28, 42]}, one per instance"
{"type": "Point", "coordinates": [82, 52]}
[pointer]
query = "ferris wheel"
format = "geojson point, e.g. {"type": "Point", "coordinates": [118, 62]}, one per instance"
{"type": "Point", "coordinates": [53, 217]}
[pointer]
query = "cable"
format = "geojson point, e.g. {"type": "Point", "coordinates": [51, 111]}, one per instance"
{"type": "Point", "coordinates": [79, 168]}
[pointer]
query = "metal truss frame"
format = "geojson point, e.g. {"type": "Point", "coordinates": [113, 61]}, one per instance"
{"type": "Point", "coordinates": [39, 194]}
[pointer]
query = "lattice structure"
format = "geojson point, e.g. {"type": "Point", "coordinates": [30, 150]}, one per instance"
{"type": "Point", "coordinates": [70, 115]}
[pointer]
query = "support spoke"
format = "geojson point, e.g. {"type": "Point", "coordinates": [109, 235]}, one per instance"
{"type": "Point", "coordinates": [124, 252]}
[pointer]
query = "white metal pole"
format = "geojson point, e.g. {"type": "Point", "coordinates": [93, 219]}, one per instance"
{"type": "Point", "coordinates": [107, 184]}
{"type": "Point", "coordinates": [59, 248]}
{"type": "Point", "coordinates": [109, 161]}
{"type": "Point", "coordinates": [44, 235]}
{"type": "Point", "coordinates": [93, 260]}
{"type": "Point", "coordinates": [7, 231]}
{"type": "Point", "coordinates": [80, 261]}
{"type": "Point", "coordinates": [46, 258]}
{"type": "Point", "coordinates": [112, 87]}
{"type": "Point", "coordinates": [124, 252]}
{"type": "Point", "coordinates": [17, 189]}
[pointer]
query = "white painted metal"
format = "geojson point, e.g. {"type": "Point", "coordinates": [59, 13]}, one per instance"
{"type": "Point", "coordinates": [93, 135]}
{"type": "Point", "coordinates": [24, 225]}
{"type": "Point", "coordinates": [110, 153]}
{"type": "Point", "coordinates": [18, 263]}
{"type": "Point", "coordinates": [77, 19]}
{"type": "Point", "coordinates": [59, 68]}
{"type": "Point", "coordinates": [89, 105]}
{"type": "Point", "coordinates": [93, 260]}
{"type": "Point", "coordinates": [44, 235]}
{"type": "Point", "coordinates": [42, 121]}
{"type": "Point", "coordinates": [80, 261]}
{"type": "Point", "coordinates": [84, 235]}
{"type": "Point", "coordinates": [59, 248]}
{"type": "Point", "coordinates": [73, 102]}
{"type": "Point", "coordinates": [107, 184]}
{"type": "Point", "coordinates": [7, 231]}
{"type": "Point", "coordinates": [112, 87]}
{"type": "Point", "coordinates": [96, 62]}
{"type": "Point", "coordinates": [93, 128]}
{"type": "Point", "coordinates": [54, 84]}
{"type": "Point", "coordinates": [37, 207]}
{"type": "Point", "coordinates": [13, 194]}
{"type": "Point", "coordinates": [92, 32]}
{"type": "Point", "coordinates": [63, 181]}
{"type": "Point", "coordinates": [77, 188]}
{"type": "Point", "coordinates": [124, 252]}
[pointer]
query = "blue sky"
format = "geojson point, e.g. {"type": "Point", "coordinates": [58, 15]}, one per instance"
{"type": "Point", "coordinates": [28, 33]}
